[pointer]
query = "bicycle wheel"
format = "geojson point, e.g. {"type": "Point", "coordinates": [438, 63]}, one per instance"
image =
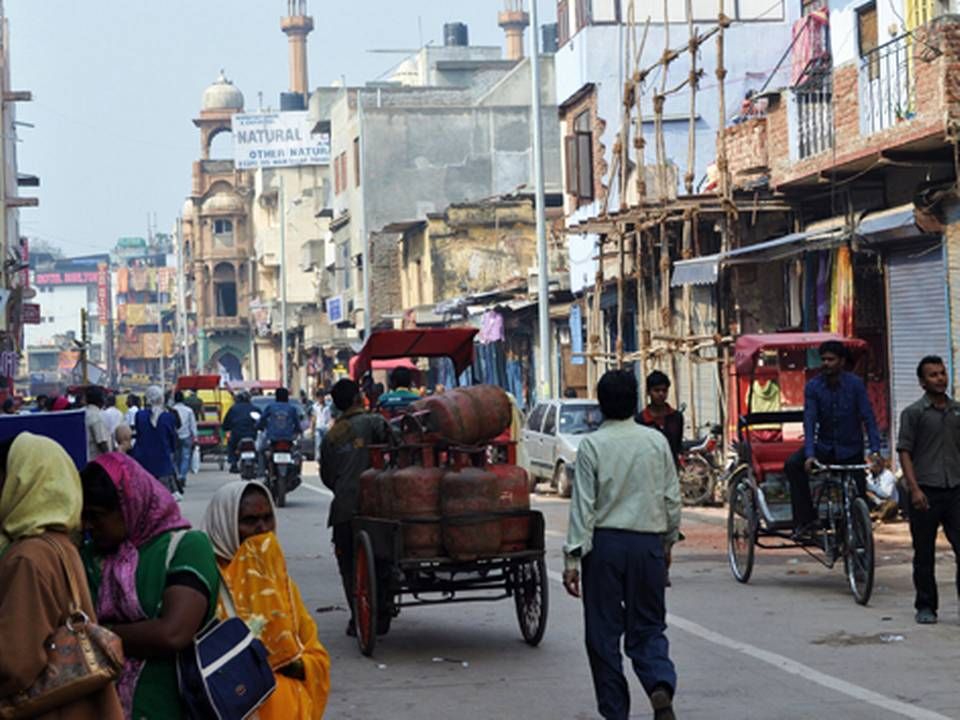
{"type": "Point", "coordinates": [741, 529]}
{"type": "Point", "coordinates": [858, 559]}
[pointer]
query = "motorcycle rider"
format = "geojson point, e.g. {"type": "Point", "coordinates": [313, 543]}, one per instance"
{"type": "Point", "coordinates": [280, 420]}
{"type": "Point", "coordinates": [240, 423]}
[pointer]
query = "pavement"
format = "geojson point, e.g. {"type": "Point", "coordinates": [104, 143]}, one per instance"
{"type": "Point", "coordinates": [790, 645]}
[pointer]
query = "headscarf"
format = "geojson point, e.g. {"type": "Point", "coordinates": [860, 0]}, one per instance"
{"type": "Point", "coordinates": [148, 510]}
{"type": "Point", "coordinates": [154, 398]}
{"type": "Point", "coordinates": [222, 518]}
{"type": "Point", "coordinates": [42, 490]}
{"type": "Point", "coordinates": [60, 403]}
{"type": "Point", "coordinates": [256, 574]}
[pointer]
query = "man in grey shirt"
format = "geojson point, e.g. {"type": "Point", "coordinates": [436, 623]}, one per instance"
{"type": "Point", "coordinates": [929, 447]}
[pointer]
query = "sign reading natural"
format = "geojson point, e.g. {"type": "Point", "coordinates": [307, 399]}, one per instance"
{"type": "Point", "coordinates": [278, 139]}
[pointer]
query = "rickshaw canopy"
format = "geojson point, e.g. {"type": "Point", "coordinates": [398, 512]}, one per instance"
{"type": "Point", "coordinates": [748, 347]}
{"type": "Point", "coordinates": [454, 343]}
{"type": "Point", "coordinates": [198, 382]}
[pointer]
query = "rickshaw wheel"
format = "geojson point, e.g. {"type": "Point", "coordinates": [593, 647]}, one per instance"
{"type": "Point", "coordinates": [741, 529]}
{"type": "Point", "coordinates": [858, 558]}
{"type": "Point", "coordinates": [530, 597]}
{"type": "Point", "coordinates": [365, 593]}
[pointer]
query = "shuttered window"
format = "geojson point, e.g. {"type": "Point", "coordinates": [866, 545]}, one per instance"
{"type": "Point", "coordinates": [578, 149]}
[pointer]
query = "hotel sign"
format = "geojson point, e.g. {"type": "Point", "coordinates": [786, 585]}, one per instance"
{"type": "Point", "coordinates": [278, 139]}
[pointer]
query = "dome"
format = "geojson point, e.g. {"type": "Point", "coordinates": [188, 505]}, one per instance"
{"type": "Point", "coordinates": [222, 95]}
{"type": "Point", "coordinates": [407, 73]}
{"type": "Point", "coordinates": [187, 212]}
{"type": "Point", "coordinates": [223, 204]}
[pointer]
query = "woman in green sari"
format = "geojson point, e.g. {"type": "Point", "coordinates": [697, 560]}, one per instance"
{"type": "Point", "coordinates": [155, 600]}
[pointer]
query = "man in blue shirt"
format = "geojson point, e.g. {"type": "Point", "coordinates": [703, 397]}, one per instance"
{"type": "Point", "coordinates": [835, 411]}
{"type": "Point", "coordinates": [280, 419]}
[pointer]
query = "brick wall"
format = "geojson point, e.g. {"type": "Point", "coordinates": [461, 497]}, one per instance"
{"type": "Point", "coordinates": [747, 150]}
{"type": "Point", "coordinates": [384, 276]}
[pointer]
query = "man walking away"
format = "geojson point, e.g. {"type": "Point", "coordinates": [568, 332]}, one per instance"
{"type": "Point", "coordinates": [624, 512]}
{"type": "Point", "coordinates": [133, 407]}
{"type": "Point", "coordinates": [929, 447]}
{"type": "Point", "coordinates": [660, 416]}
{"type": "Point", "coordinates": [112, 417]}
{"type": "Point", "coordinates": [835, 411]}
{"type": "Point", "coordinates": [186, 437]}
{"type": "Point", "coordinates": [344, 455]}
{"type": "Point", "coordinates": [98, 440]}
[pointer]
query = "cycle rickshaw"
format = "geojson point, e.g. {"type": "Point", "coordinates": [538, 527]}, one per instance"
{"type": "Point", "coordinates": [771, 371]}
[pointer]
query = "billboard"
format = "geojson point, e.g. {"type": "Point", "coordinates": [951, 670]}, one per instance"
{"type": "Point", "coordinates": [103, 293]}
{"type": "Point", "coordinates": [277, 139]}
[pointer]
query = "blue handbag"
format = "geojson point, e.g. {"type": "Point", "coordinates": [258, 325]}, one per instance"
{"type": "Point", "coordinates": [225, 673]}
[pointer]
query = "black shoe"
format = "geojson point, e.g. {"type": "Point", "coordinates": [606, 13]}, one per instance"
{"type": "Point", "coordinates": [926, 616]}
{"type": "Point", "coordinates": [804, 531]}
{"type": "Point", "coordinates": [351, 629]}
{"type": "Point", "coordinates": [234, 470]}
{"type": "Point", "coordinates": [662, 702]}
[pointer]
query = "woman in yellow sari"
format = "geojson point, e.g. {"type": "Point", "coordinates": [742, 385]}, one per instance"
{"type": "Point", "coordinates": [241, 523]}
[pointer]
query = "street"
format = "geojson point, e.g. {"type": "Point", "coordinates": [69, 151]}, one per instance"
{"type": "Point", "coordinates": [790, 645]}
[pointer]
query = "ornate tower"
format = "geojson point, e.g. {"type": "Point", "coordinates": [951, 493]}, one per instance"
{"type": "Point", "coordinates": [296, 26]}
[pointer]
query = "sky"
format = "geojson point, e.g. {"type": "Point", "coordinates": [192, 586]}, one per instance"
{"type": "Point", "coordinates": [116, 84]}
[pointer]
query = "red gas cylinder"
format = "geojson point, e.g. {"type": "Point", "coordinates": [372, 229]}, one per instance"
{"type": "Point", "coordinates": [416, 499]}
{"type": "Point", "coordinates": [369, 501]}
{"type": "Point", "coordinates": [468, 416]}
{"type": "Point", "coordinates": [464, 494]}
{"type": "Point", "coordinates": [513, 488]}
{"type": "Point", "coordinates": [384, 493]}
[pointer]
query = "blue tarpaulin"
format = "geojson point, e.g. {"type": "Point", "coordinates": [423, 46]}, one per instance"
{"type": "Point", "coordinates": [67, 428]}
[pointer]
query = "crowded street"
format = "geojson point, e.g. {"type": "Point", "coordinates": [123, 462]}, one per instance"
{"type": "Point", "coordinates": [790, 645]}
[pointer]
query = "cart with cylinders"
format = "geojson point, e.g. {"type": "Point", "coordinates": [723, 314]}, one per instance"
{"type": "Point", "coordinates": [444, 512]}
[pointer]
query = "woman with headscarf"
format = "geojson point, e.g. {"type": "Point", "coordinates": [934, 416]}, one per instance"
{"type": "Point", "coordinates": [156, 433]}
{"type": "Point", "coordinates": [241, 522]}
{"type": "Point", "coordinates": [155, 603]}
{"type": "Point", "coordinates": [40, 501]}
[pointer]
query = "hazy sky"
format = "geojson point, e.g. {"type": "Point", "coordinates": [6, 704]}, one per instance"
{"type": "Point", "coordinates": [117, 82]}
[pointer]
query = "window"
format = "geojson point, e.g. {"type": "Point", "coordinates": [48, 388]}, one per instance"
{"type": "Point", "coordinates": [336, 176]}
{"type": "Point", "coordinates": [583, 14]}
{"type": "Point", "coordinates": [356, 162]}
{"type": "Point", "coordinates": [345, 265]}
{"type": "Point", "coordinates": [225, 290]}
{"type": "Point", "coordinates": [550, 424]}
{"type": "Point", "coordinates": [579, 159]}
{"type": "Point", "coordinates": [343, 171]}
{"type": "Point", "coordinates": [536, 418]}
{"type": "Point", "coordinates": [868, 38]}
{"type": "Point", "coordinates": [222, 227]}
{"type": "Point", "coordinates": [563, 22]}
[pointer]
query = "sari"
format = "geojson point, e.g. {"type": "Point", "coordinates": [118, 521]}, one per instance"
{"type": "Point", "coordinates": [269, 601]}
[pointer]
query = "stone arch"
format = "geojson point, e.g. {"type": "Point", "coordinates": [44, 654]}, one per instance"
{"type": "Point", "coordinates": [228, 363]}
{"type": "Point", "coordinates": [210, 134]}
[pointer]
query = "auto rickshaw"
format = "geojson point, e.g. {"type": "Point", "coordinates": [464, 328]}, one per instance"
{"type": "Point", "coordinates": [210, 435]}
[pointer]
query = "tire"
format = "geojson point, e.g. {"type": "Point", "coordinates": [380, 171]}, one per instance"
{"type": "Point", "coordinates": [365, 593]}
{"type": "Point", "coordinates": [741, 529]}
{"type": "Point", "coordinates": [531, 599]}
{"type": "Point", "coordinates": [858, 557]}
{"type": "Point", "coordinates": [561, 480]}
{"type": "Point", "coordinates": [280, 493]}
{"type": "Point", "coordinates": [697, 481]}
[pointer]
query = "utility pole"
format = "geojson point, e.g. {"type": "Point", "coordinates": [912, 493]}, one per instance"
{"type": "Point", "coordinates": [543, 273]}
{"type": "Point", "coordinates": [182, 299]}
{"type": "Point", "coordinates": [365, 256]}
{"type": "Point", "coordinates": [163, 369]}
{"type": "Point", "coordinates": [283, 282]}
{"type": "Point", "coordinates": [84, 345]}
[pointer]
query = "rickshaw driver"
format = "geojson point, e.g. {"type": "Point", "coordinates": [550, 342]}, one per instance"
{"type": "Point", "coordinates": [835, 410]}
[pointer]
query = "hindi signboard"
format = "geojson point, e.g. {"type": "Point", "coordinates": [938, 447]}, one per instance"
{"type": "Point", "coordinates": [30, 313]}
{"type": "Point", "coordinates": [277, 139]}
{"type": "Point", "coordinates": [103, 293]}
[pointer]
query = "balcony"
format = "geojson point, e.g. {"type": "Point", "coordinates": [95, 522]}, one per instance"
{"type": "Point", "coordinates": [887, 86]}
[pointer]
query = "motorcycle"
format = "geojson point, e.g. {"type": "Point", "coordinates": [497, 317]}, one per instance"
{"type": "Point", "coordinates": [284, 463]}
{"type": "Point", "coordinates": [247, 449]}
{"type": "Point", "coordinates": [701, 466]}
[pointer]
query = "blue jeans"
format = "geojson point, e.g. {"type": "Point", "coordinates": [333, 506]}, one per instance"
{"type": "Point", "coordinates": [184, 455]}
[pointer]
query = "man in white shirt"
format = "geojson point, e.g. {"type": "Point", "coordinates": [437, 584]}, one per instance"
{"type": "Point", "coordinates": [322, 419]}
{"type": "Point", "coordinates": [186, 437]}
{"type": "Point", "coordinates": [98, 440]}
{"type": "Point", "coordinates": [112, 417]}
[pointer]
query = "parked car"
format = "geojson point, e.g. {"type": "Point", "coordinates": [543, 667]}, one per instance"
{"type": "Point", "coordinates": [551, 436]}
{"type": "Point", "coordinates": [307, 448]}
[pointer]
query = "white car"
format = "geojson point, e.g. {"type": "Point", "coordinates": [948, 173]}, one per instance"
{"type": "Point", "coordinates": [551, 436]}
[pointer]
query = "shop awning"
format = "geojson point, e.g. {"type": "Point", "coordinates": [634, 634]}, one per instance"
{"type": "Point", "coordinates": [893, 223]}
{"type": "Point", "coordinates": [705, 270]}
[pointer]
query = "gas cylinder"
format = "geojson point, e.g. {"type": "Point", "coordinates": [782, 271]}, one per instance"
{"type": "Point", "coordinates": [369, 502]}
{"type": "Point", "coordinates": [513, 490]}
{"type": "Point", "coordinates": [384, 492]}
{"type": "Point", "coordinates": [416, 499]}
{"type": "Point", "coordinates": [468, 416]}
{"type": "Point", "coordinates": [465, 494]}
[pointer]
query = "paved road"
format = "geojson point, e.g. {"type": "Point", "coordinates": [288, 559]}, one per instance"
{"type": "Point", "coordinates": [791, 645]}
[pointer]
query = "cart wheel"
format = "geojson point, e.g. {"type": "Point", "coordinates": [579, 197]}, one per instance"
{"type": "Point", "coordinates": [530, 597]}
{"type": "Point", "coordinates": [741, 529]}
{"type": "Point", "coordinates": [365, 593]}
{"type": "Point", "coordinates": [697, 481]}
{"type": "Point", "coordinates": [858, 558]}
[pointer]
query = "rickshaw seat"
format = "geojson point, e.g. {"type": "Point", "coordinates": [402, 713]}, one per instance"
{"type": "Point", "coordinates": [770, 457]}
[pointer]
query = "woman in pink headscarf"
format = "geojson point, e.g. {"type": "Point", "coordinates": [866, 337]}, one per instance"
{"type": "Point", "coordinates": [155, 603]}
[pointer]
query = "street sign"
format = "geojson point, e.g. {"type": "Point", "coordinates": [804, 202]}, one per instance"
{"type": "Point", "coordinates": [335, 309]}
{"type": "Point", "coordinates": [30, 313]}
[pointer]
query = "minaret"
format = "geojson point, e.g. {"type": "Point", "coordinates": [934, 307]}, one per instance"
{"type": "Point", "coordinates": [514, 21]}
{"type": "Point", "coordinates": [297, 25]}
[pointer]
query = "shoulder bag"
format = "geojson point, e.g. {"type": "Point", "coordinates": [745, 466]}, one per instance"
{"type": "Point", "coordinates": [82, 658]}
{"type": "Point", "coordinates": [225, 673]}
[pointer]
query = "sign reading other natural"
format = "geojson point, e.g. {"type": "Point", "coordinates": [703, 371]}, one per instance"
{"type": "Point", "coordinates": [278, 139]}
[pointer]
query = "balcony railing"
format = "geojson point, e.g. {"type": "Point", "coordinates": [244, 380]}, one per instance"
{"type": "Point", "coordinates": [815, 115]}
{"type": "Point", "coordinates": [887, 88]}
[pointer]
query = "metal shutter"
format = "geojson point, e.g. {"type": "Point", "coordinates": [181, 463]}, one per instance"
{"type": "Point", "coordinates": [918, 319]}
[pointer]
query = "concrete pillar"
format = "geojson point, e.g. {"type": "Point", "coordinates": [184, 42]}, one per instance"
{"type": "Point", "coordinates": [951, 246]}
{"type": "Point", "coordinates": [296, 28]}
{"type": "Point", "coordinates": [514, 22]}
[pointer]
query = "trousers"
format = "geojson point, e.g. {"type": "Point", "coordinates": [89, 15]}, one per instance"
{"type": "Point", "coordinates": [343, 547]}
{"type": "Point", "coordinates": [800, 498]}
{"type": "Point", "coordinates": [624, 598]}
{"type": "Point", "coordinates": [944, 510]}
